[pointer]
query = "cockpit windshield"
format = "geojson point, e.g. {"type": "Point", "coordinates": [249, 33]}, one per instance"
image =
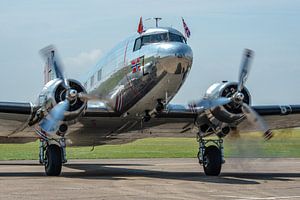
{"type": "Point", "coordinates": [163, 37]}
{"type": "Point", "coordinates": [157, 38]}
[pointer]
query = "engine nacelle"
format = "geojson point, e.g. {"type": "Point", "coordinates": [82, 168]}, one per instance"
{"type": "Point", "coordinates": [55, 92]}
{"type": "Point", "coordinates": [231, 112]}
{"type": "Point", "coordinates": [220, 120]}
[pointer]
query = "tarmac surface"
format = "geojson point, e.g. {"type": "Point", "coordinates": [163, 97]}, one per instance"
{"type": "Point", "coordinates": [241, 179]}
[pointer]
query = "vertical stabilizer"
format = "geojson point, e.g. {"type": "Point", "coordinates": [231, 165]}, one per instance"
{"type": "Point", "coordinates": [52, 62]}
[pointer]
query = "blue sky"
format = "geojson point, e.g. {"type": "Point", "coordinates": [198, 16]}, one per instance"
{"type": "Point", "coordinates": [84, 30]}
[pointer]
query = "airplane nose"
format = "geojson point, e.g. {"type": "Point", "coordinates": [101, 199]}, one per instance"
{"type": "Point", "coordinates": [175, 57]}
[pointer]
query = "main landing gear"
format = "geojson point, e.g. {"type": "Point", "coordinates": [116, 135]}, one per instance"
{"type": "Point", "coordinates": [52, 154]}
{"type": "Point", "coordinates": [211, 157]}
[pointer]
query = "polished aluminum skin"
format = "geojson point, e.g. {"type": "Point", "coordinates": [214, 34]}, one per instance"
{"type": "Point", "coordinates": [161, 70]}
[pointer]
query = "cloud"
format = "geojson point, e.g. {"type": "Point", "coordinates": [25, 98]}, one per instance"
{"type": "Point", "coordinates": [79, 64]}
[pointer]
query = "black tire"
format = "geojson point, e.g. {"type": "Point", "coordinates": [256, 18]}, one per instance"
{"type": "Point", "coordinates": [212, 161]}
{"type": "Point", "coordinates": [53, 160]}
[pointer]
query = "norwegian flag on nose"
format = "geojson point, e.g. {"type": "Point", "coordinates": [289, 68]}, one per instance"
{"type": "Point", "coordinates": [136, 65]}
{"type": "Point", "coordinates": [186, 29]}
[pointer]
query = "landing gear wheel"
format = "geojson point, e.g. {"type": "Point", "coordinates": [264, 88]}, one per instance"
{"type": "Point", "coordinates": [53, 160]}
{"type": "Point", "coordinates": [212, 161]}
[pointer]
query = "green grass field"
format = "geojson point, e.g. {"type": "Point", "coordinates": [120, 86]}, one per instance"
{"type": "Point", "coordinates": [285, 144]}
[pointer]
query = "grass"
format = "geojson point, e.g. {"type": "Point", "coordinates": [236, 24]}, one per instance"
{"type": "Point", "coordinates": [284, 144]}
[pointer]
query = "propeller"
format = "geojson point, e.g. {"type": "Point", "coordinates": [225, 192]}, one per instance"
{"type": "Point", "coordinates": [257, 121]}
{"type": "Point", "coordinates": [209, 103]}
{"type": "Point", "coordinates": [238, 98]}
{"type": "Point", "coordinates": [250, 114]}
{"type": "Point", "coordinates": [245, 68]}
{"type": "Point", "coordinates": [50, 55]}
{"type": "Point", "coordinates": [84, 96]}
{"type": "Point", "coordinates": [50, 123]}
{"type": "Point", "coordinates": [56, 114]}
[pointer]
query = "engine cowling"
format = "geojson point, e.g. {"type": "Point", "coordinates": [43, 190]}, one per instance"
{"type": "Point", "coordinates": [231, 112]}
{"type": "Point", "coordinates": [221, 119]}
{"type": "Point", "coordinates": [55, 92]}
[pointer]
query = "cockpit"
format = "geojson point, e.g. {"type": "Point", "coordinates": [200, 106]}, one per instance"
{"type": "Point", "coordinates": [157, 38]}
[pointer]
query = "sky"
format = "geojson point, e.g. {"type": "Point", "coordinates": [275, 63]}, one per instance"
{"type": "Point", "coordinates": [83, 31]}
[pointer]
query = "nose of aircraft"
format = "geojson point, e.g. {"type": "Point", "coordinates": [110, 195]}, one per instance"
{"type": "Point", "coordinates": [175, 57]}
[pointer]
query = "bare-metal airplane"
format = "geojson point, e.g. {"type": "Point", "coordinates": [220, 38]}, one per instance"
{"type": "Point", "coordinates": [129, 90]}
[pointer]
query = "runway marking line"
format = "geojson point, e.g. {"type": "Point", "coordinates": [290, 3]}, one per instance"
{"type": "Point", "coordinates": [258, 198]}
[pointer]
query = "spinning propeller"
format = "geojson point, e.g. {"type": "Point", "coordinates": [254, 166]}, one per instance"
{"type": "Point", "coordinates": [238, 98]}
{"type": "Point", "coordinates": [56, 115]}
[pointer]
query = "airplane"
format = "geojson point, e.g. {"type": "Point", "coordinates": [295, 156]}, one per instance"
{"type": "Point", "coordinates": [130, 90]}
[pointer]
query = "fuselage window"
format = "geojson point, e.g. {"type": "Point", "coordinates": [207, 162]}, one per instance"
{"type": "Point", "coordinates": [137, 44]}
{"type": "Point", "coordinates": [99, 75]}
{"type": "Point", "coordinates": [92, 80]}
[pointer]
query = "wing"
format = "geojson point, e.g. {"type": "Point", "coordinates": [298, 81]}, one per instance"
{"type": "Point", "coordinates": [280, 116]}
{"type": "Point", "coordinates": [276, 116]}
{"type": "Point", "coordinates": [95, 126]}
{"type": "Point", "coordinates": [14, 118]}
{"type": "Point", "coordinates": [100, 125]}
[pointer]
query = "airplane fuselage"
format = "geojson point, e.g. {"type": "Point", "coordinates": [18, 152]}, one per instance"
{"type": "Point", "coordinates": [141, 70]}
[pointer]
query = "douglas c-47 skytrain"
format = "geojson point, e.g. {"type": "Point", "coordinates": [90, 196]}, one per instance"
{"type": "Point", "coordinates": [128, 91]}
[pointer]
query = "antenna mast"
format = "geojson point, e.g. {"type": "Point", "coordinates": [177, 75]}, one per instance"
{"type": "Point", "coordinates": [156, 20]}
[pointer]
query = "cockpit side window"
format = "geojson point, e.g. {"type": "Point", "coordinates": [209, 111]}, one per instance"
{"type": "Point", "coordinates": [176, 38]}
{"type": "Point", "coordinates": [137, 44]}
{"type": "Point", "coordinates": [146, 39]}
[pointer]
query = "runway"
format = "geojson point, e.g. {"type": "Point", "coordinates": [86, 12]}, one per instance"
{"type": "Point", "coordinates": [241, 179]}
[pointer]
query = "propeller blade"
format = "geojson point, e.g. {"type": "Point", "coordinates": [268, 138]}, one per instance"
{"type": "Point", "coordinates": [50, 123]}
{"type": "Point", "coordinates": [84, 96]}
{"type": "Point", "coordinates": [245, 68]}
{"type": "Point", "coordinates": [256, 120]}
{"type": "Point", "coordinates": [235, 133]}
{"type": "Point", "coordinates": [52, 59]}
{"type": "Point", "coordinates": [211, 103]}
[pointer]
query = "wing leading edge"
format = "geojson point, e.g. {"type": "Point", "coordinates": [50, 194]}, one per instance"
{"type": "Point", "coordinates": [276, 116]}
{"type": "Point", "coordinates": [14, 117]}
{"type": "Point", "coordinates": [17, 117]}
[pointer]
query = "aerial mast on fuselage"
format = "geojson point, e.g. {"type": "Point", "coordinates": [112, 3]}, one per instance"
{"type": "Point", "coordinates": [156, 20]}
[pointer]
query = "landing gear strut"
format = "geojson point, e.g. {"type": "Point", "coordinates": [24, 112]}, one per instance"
{"type": "Point", "coordinates": [52, 154]}
{"type": "Point", "coordinates": [211, 157]}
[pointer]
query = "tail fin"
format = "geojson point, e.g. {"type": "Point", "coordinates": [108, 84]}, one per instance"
{"type": "Point", "coordinates": [48, 75]}
{"type": "Point", "coordinates": [52, 61]}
